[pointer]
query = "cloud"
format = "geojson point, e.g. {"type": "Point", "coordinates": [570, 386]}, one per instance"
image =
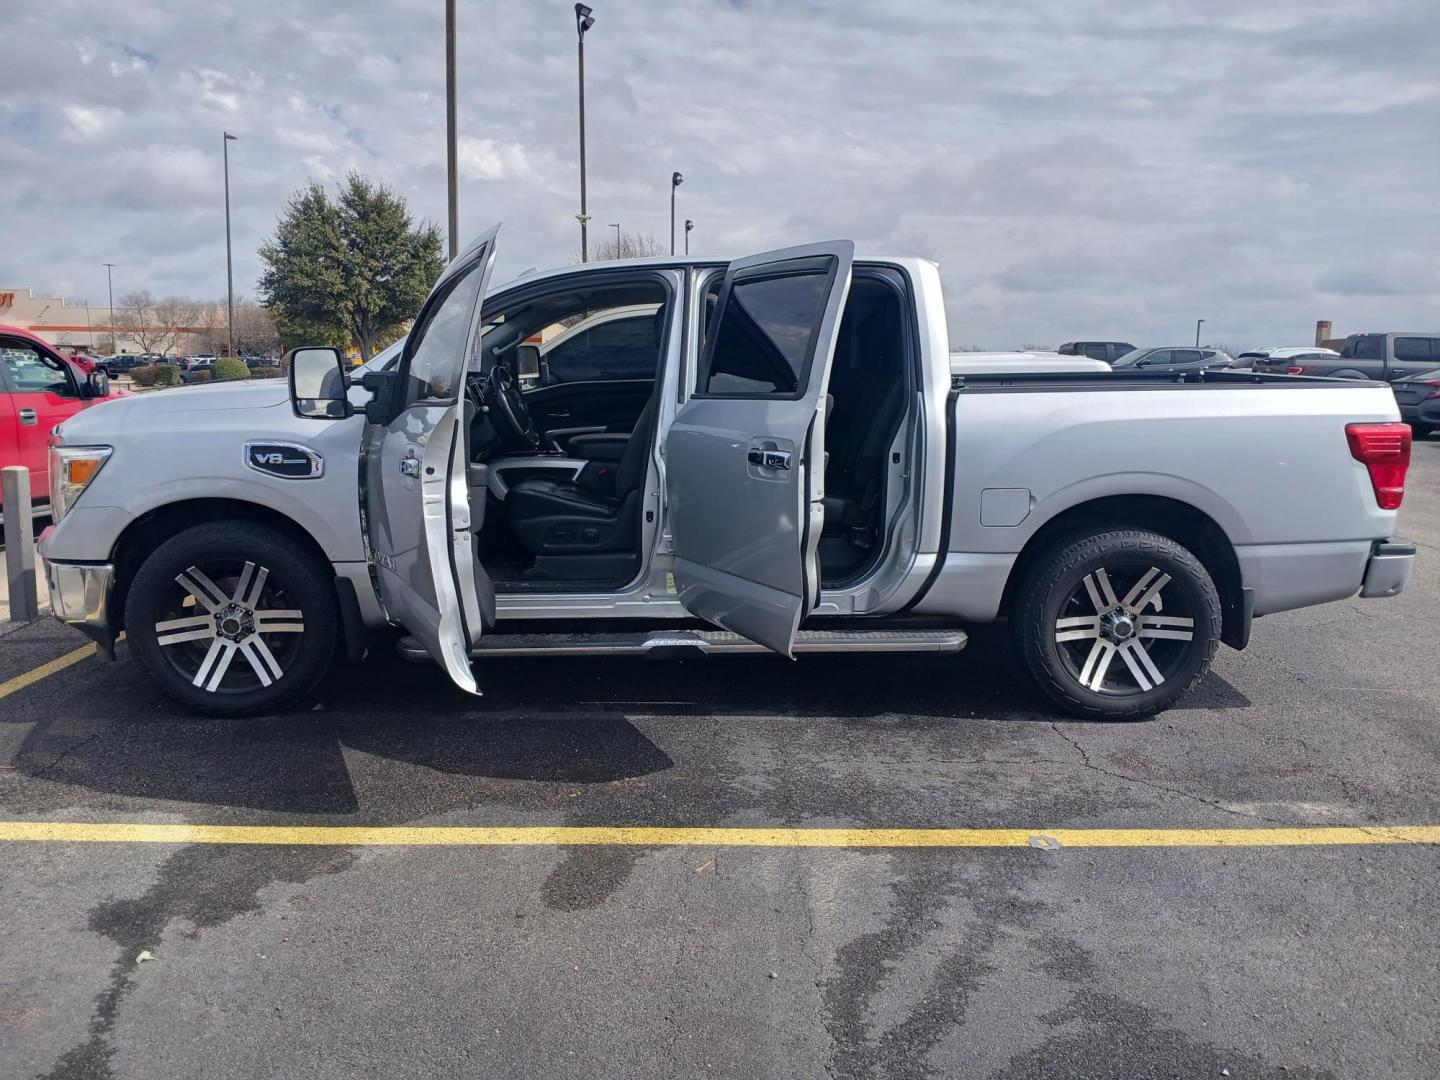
{"type": "Point", "coordinates": [1079, 169]}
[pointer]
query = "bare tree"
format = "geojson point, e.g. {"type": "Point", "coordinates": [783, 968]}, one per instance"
{"type": "Point", "coordinates": [1036, 348]}
{"type": "Point", "coordinates": [255, 330]}
{"type": "Point", "coordinates": [153, 324]}
{"type": "Point", "coordinates": [624, 246]}
{"type": "Point", "coordinates": [208, 326]}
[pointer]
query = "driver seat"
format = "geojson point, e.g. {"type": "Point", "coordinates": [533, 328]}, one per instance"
{"type": "Point", "coordinates": [562, 517]}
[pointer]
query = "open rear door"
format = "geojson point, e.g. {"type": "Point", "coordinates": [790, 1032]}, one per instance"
{"type": "Point", "coordinates": [416, 497]}
{"type": "Point", "coordinates": [745, 456]}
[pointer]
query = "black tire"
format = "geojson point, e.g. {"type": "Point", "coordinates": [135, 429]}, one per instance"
{"type": "Point", "coordinates": [1419, 431]}
{"type": "Point", "coordinates": [1104, 578]}
{"type": "Point", "coordinates": [254, 579]}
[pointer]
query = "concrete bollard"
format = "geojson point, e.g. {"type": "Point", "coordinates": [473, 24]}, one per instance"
{"type": "Point", "coordinates": [19, 543]}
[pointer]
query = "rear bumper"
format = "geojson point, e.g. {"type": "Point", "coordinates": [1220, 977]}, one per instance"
{"type": "Point", "coordinates": [1388, 570]}
{"type": "Point", "coordinates": [80, 597]}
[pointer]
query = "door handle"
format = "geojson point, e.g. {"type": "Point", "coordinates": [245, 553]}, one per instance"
{"type": "Point", "coordinates": [769, 459]}
{"type": "Point", "coordinates": [560, 414]}
{"type": "Point", "coordinates": [409, 466]}
{"type": "Point", "coordinates": [27, 416]}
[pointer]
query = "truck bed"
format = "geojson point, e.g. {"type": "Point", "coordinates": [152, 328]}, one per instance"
{"type": "Point", "coordinates": [1264, 457]}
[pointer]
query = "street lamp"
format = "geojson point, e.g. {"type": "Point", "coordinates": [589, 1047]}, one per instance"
{"type": "Point", "coordinates": [688, 226]}
{"type": "Point", "coordinates": [452, 193]}
{"type": "Point", "coordinates": [584, 20]}
{"type": "Point", "coordinates": [616, 226]}
{"type": "Point", "coordinates": [1198, 323]}
{"type": "Point", "coordinates": [675, 181]}
{"type": "Point", "coordinates": [110, 288]}
{"type": "Point", "coordinates": [229, 269]}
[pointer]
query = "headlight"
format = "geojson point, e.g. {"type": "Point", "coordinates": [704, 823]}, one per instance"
{"type": "Point", "coordinates": [71, 470]}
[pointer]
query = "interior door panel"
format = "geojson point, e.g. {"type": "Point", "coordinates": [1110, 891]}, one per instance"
{"type": "Point", "coordinates": [607, 405]}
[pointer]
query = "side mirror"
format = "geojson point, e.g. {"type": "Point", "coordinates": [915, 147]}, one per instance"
{"type": "Point", "coordinates": [97, 383]}
{"type": "Point", "coordinates": [527, 359]}
{"type": "Point", "coordinates": [1142, 363]}
{"type": "Point", "coordinates": [318, 384]}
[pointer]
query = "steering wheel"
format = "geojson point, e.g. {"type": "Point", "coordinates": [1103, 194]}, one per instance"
{"type": "Point", "coordinates": [508, 410]}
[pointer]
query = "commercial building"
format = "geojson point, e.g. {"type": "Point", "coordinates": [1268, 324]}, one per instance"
{"type": "Point", "coordinates": [87, 328]}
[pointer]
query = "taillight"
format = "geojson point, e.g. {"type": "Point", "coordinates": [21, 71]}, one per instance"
{"type": "Point", "coordinates": [1384, 449]}
{"type": "Point", "coordinates": [1435, 392]}
{"type": "Point", "coordinates": [1295, 371]}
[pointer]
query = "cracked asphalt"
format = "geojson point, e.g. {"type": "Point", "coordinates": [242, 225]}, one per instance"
{"type": "Point", "coordinates": [682, 961]}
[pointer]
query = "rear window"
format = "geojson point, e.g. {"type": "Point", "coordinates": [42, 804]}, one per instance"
{"type": "Point", "coordinates": [1414, 348]}
{"type": "Point", "coordinates": [1364, 347]}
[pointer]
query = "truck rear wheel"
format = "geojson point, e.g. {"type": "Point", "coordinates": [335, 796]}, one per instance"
{"type": "Point", "coordinates": [1116, 625]}
{"type": "Point", "coordinates": [233, 618]}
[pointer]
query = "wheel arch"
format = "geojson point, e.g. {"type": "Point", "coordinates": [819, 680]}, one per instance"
{"type": "Point", "coordinates": [152, 528]}
{"type": "Point", "coordinates": [1180, 521]}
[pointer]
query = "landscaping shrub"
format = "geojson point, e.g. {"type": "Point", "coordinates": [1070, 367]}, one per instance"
{"type": "Point", "coordinates": [156, 375]}
{"type": "Point", "coordinates": [200, 376]}
{"type": "Point", "coordinates": [227, 367]}
{"type": "Point", "coordinates": [264, 372]}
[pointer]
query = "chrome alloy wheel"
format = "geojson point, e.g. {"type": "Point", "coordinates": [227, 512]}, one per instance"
{"type": "Point", "coordinates": [226, 609]}
{"type": "Point", "coordinates": [1117, 612]}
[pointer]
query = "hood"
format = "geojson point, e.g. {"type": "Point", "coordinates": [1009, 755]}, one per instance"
{"type": "Point", "coordinates": [154, 410]}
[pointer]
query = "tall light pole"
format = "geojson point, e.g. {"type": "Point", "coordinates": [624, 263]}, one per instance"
{"type": "Point", "coordinates": [583, 21]}
{"type": "Point", "coordinates": [452, 194]}
{"type": "Point", "coordinates": [616, 226]}
{"type": "Point", "coordinates": [1198, 322]}
{"type": "Point", "coordinates": [110, 288]}
{"type": "Point", "coordinates": [229, 268]}
{"type": "Point", "coordinates": [675, 181]}
{"type": "Point", "coordinates": [688, 226]}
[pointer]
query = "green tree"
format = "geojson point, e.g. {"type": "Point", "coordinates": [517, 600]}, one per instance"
{"type": "Point", "coordinates": [355, 262]}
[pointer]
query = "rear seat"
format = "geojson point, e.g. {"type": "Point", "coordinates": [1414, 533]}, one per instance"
{"type": "Point", "coordinates": [857, 445]}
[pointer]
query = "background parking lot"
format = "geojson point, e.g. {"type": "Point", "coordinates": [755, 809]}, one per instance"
{"type": "Point", "coordinates": [685, 958]}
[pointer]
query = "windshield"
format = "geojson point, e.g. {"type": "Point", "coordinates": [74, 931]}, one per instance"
{"type": "Point", "coordinates": [1131, 357]}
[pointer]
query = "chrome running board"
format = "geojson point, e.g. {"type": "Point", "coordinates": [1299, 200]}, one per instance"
{"type": "Point", "coordinates": [680, 643]}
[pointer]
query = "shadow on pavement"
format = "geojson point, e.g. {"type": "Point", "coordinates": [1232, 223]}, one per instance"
{"type": "Point", "coordinates": [542, 723]}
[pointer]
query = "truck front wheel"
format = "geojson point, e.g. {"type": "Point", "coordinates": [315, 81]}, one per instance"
{"type": "Point", "coordinates": [1116, 625]}
{"type": "Point", "coordinates": [233, 618]}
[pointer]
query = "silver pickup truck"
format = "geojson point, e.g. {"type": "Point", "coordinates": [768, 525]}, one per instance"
{"type": "Point", "coordinates": [676, 457]}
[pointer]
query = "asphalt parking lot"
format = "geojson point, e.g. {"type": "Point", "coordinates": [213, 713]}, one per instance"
{"type": "Point", "coordinates": [685, 955]}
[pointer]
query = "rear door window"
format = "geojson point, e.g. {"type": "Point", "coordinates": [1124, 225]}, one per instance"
{"type": "Point", "coordinates": [765, 339]}
{"type": "Point", "coordinates": [1415, 348]}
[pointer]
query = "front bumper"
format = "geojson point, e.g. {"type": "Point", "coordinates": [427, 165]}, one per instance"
{"type": "Point", "coordinates": [80, 597]}
{"type": "Point", "coordinates": [1388, 569]}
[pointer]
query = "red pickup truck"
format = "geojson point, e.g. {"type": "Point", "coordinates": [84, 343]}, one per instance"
{"type": "Point", "coordinates": [39, 388]}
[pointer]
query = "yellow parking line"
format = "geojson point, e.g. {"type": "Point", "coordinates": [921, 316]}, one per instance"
{"type": "Point", "coordinates": [60, 663]}
{"type": "Point", "coordinates": [544, 835]}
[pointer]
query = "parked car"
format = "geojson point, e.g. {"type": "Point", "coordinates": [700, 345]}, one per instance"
{"type": "Point", "coordinates": [431, 497]}
{"type": "Point", "coordinates": [1419, 399]}
{"type": "Point", "coordinates": [196, 369]}
{"type": "Point", "coordinates": [1178, 358]}
{"type": "Point", "coordinates": [1279, 361]}
{"type": "Point", "coordinates": [124, 363]}
{"type": "Point", "coordinates": [1109, 351]}
{"type": "Point", "coordinates": [39, 388]}
{"type": "Point", "coordinates": [1385, 357]}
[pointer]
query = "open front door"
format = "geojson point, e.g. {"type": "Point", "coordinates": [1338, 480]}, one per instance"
{"type": "Point", "coordinates": [417, 497]}
{"type": "Point", "coordinates": [745, 456]}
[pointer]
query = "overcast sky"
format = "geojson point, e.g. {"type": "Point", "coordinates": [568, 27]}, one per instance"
{"type": "Point", "coordinates": [1079, 169]}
